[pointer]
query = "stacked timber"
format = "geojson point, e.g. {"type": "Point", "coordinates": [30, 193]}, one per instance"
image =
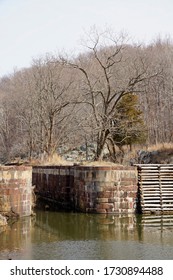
{"type": "Point", "coordinates": [156, 187]}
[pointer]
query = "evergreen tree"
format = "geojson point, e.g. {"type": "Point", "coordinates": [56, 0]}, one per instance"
{"type": "Point", "coordinates": [130, 128]}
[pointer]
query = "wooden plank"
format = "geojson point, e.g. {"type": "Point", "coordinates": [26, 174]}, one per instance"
{"type": "Point", "coordinates": [148, 184]}
{"type": "Point", "coordinates": [166, 179]}
{"type": "Point", "coordinates": [167, 189]}
{"type": "Point", "coordinates": [149, 195]}
{"type": "Point", "coordinates": [157, 201]}
{"type": "Point", "coordinates": [167, 193]}
{"type": "Point", "coordinates": [148, 177]}
{"type": "Point", "coordinates": [152, 206]}
{"type": "Point", "coordinates": [149, 171]}
{"type": "Point", "coordinates": [151, 203]}
{"type": "Point", "coordinates": [153, 209]}
{"type": "Point", "coordinates": [154, 199]}
{"type": "Point", "coordinates": [156, 187]}
{"type": "Point", "coordinates": [149, 189]}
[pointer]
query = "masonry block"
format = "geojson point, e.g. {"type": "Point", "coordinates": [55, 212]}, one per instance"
{"type": "Point", "coordinates": [94, 189]}
{"type": "Point", "coordinates": [16, 190]}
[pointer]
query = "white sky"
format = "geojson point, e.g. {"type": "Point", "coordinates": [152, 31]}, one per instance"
{"type": "Point", "coordinates": [29, 28]}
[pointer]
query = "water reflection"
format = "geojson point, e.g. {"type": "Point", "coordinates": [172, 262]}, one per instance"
{"type": "Point", "coordinates": [58, 235]}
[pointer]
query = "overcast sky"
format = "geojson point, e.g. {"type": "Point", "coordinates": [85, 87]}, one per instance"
{"type": "Point", "coordinates": [30, 28]}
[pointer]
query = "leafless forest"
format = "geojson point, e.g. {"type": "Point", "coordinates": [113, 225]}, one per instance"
{"type": "Point", "coordinates": [62, 100]}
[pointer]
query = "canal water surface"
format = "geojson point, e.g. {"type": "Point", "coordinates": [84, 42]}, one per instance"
{"type": "Point", "coordinates": [76, 236]}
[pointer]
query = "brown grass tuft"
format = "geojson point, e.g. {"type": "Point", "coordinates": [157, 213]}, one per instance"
{"type": "Point", "coordinates": [55, 159]}
{"type": "Point", "coordinates": [161, 147]}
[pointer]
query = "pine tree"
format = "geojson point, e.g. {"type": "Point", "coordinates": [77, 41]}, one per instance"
{"type": "Point", "coordinates": [130, 128]}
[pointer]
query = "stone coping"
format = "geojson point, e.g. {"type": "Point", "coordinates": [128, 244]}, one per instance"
{"type": "Point", "coordinates": [86, 167]}
{"type": "Point", "coordinates": [15, 167]}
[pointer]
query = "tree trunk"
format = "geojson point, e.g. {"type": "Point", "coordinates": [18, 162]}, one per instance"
{"type": "Point", "coordinates": [101, 141]}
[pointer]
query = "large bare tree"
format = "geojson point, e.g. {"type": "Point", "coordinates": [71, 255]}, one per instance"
{"type": "Point", "coordinates": [110, 70]}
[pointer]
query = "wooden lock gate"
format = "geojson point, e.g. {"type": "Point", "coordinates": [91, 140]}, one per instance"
{"type": "Point", "coordinates": [155, 187]}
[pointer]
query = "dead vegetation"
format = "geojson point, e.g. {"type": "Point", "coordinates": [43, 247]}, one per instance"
{"type": "Point", "coordinates": [160, 153]}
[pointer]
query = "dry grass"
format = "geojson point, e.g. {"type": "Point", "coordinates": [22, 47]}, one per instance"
{"type": "Point", "coordinates": [164, 149]}
{"type": "Point", "coordinates": [161, 147]}
{"type": "Point", "coordinates": [99, 163]}
{"type": "Point", "coordinates": [55, 159]}
{"type": "Point", "coordinates": [165, 152]}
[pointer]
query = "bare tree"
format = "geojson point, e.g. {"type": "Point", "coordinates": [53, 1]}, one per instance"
{"type": "Point", "coordinates": [60, 101]}
{"type": "Point", "coordinates": [110, 70]}
{"type": "Point", "coordinates": [52, 88]}
{"type": "Point", "coordinates": [5, 128]}
{"type": "Point", "coordinates": [157, 100]}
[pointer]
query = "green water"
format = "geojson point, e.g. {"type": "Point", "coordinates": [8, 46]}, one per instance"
{"type": "Point", "coordinates": [67, 236]}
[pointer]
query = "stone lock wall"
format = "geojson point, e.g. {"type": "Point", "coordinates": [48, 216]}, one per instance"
{"type": "Point", "coordinates": [54, 183]}
{"type": "Point", "coordinates": [15, 190]}
{"type": "Point", "coordinates": [105, 189]}
{"type": "Point", "coordinates": [94, 189]}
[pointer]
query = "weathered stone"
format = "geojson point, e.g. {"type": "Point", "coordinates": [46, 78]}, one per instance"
{"type": "Point", "coordinates": [112, 200]}
{"type": "Point", "coordinates": [90, 188]}
{"type": "Point", "coordinates": [16, 190]}
{"type": "Point", "coordinates": [3, 221]}
{"type": "Point", "coordinates": [105, 194]}
{"type": "Point", "coordinates": [101, 200]}
{"type": "Point", "coordinates": [105, 206]}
